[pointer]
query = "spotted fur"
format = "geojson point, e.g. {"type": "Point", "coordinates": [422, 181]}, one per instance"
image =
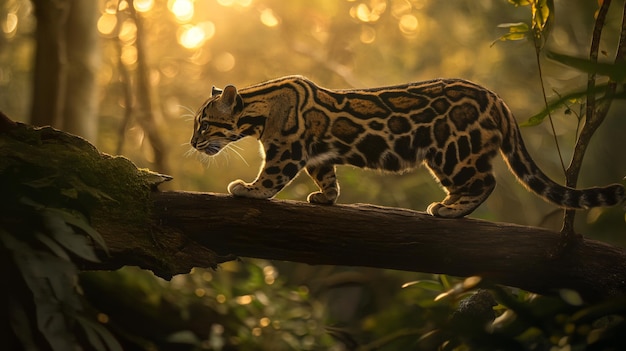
{"type": "Point", "coordinates": [454, 127]}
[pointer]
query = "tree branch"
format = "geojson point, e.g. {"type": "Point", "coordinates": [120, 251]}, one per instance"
{"type": "Point", "coordinates": [172, 232]}
{"type": "Point", "coordinates": [594, 117]}
{"type": "Point", "coordinates": [533, 259]}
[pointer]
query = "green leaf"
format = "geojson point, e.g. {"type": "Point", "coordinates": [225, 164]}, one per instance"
{"type": "Point", "coordinates": [615, 71]}
{"type": "Point", "coordinates": [542, 20]}
{"type": "Point", "coordinates": [432, 285]}
{"type": "Point", "coordinates": [79, 221]}
{"type": "Point", "coordinates": [517, 31]}
{"type": "Point", "coordinates": [52, 245]}
{"type": "Point", "coordinates": [517, 27]}
{"type": "Point", "coordinates": [53, 325]}
{"type": "Point", "coordinates": [553, 105]}
{"type": "Point", "coordinates": [98, 336]}
{"type": "Point", "coordinates": [20, 324]}
{"type": "Point", "coordinates": [55, 221]}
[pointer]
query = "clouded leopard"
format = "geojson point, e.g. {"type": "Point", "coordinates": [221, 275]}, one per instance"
{"type": "Point", "coordinates": [453, 126]}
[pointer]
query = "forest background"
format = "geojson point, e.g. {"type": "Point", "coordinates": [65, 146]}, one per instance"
{"type": "Point", "coordinates": [136, 71]}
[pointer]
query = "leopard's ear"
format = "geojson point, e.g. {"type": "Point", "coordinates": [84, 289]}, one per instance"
{"type": "Point", "coordinates": [229, 95]}
{"type": "Point", "coordinates": [230, 101]}
{"type": "Point", "coordinates": [215, 91]}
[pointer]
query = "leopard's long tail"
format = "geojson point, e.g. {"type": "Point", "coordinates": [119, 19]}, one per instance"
{"type": "Point", "coordinates": [529, 174]}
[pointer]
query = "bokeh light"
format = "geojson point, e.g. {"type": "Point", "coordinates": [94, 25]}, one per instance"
{"type": "Point", "coordinates": [368, 34]}
{"type": "Point", "coordinates": [408, 24]}
{"type": "Point", "coordinates": [9, 25]}
{"type": "Point", "coordinates": [369, 13]}
{"type": "Point", "coordinates": [129, 55]}
{"type": "Point", "coordinates": [128, 32]}
{"type": "Point", "coordinates": [107, 23]}
{"type": "Point", "coordinates": [183, 10]}
{"type": "Point", "coordinates": [224, 62]}
{"type": "Point", "coordinates": [193, 37]}
{"type": "Point", "coordinates": [268, 18]}
{"type": "Point", "coordinates": [143, 5]}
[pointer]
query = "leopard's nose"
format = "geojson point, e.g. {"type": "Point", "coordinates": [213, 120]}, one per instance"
{"type": "Point", "coordinates": [194, 141]}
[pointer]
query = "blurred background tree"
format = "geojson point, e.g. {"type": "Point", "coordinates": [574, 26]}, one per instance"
{"type": "Point", "coordinates": [128, 76]}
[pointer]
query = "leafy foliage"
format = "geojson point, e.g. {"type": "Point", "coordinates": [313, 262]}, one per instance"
{"type": "Point", "coordinates": [542, 20]}
{"type": "Point", "coordinates": [473, 314]}
{"type": "Point", "coordinates": [43, 230]}
{"type": "Point", "coordinates": [51, 183]}
{"type": "Point", "coordinates": [241, 307]}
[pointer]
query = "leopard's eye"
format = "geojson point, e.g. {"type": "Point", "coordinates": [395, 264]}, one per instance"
{"type": "Point", "coordinates": [204, 125]}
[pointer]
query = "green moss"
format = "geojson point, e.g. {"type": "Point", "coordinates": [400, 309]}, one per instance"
{"type": "Point", "coordinates": [60, 169]}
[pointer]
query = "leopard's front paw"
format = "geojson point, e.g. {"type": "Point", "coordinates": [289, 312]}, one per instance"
{"type": "Point", "coordinates": [243, 189]}
{"type": "Point", "coordinates": [327, 198]}
{"type": "Point", "coordinates": [239, 188]}
{"type": "Point", "coordinates": [438, 209]}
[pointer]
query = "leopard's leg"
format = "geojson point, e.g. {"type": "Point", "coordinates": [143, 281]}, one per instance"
{"type": "Point", "coordinates": [326, 179]}
{"type": "Point", "coordinates": [467, 189]}
{"type": "Point", "coordinates": [275, 174]}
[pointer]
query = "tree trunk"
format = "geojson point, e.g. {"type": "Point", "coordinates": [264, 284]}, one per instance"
{"type": "Point", "coordinates": [84, 59]}
{"type": "Point", "coordinates": [50, 62]}
{"type": "Point", "coordinates": [66, 61]}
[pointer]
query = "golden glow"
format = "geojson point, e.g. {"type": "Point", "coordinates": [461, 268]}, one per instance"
{"type": "Point", "coordinates": [400, 7]}
{"type": "Point", "coordinates": [200, 292]}
{"type": "Point", "coordinates": [244, 299]}
{"type": "Point", "coordinates": [183, 10]}
{"type": "Point", "coordinates": [10, 24]}
{"type": "Point", "coordinates": [264, 322]}
{"type": "Point", "coordinates": [370, 13]}
{"type": "Point", "coordinates": [102, 318]}
{"type": "Point", "coordinates": [224, 62]}
{"type": "Point", "coordinates": [268, 18]}
{"type": "Point", "coordinates": [368, 34]}
{"type": "Point", "coordinates": [107, 23]}
{"type": "Point", "coordinates": [143, 5]}
{"type": "Point", "coordinates": [193, 37]}
{"type": "Point", "coordinates": [122, 6]}
{"type": "Point", "coordinates": [270, 274]}
{"type": "Point", "coordinates": [110, 7]}
{"type": "Point", "coordinates": [408, 24]}
{"type": "Point", "coordinates": [207, 276]}
{"type": "Point", "coordinates": [129, 55]}
{"type": "Point", "coordinates": [228, 3]}
{"type": "Point", "coordinates": [220, 298]}
{"type": "Point", "coordinates": [209, 29]}
{"type": "Point", "coordinates": [201, 57]}
{"type": "Point", "coordinates": [128, 32]}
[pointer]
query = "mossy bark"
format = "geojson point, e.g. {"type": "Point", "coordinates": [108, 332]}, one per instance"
{"type": "Point", "coordinates": [59, 169]}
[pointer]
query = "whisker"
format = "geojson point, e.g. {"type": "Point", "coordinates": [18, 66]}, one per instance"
{"type": "Point", "coordinates": [192, 112]}
{"type": "Point", "coordinates": [234, 145]}
{"type": "Point", "coordinates": [231, 148]}
{"type": "Point", "coordinates": [190, 152]}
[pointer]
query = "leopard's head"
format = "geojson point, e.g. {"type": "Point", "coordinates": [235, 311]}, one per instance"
{"type": "Point", "coordinates": [216, 122]}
